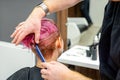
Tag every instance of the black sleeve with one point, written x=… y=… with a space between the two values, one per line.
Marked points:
x=22 y=74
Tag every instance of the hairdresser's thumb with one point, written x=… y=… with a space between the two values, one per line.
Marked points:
x=37 y=37
x=46 y=65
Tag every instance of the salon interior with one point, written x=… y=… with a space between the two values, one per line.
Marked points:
x=80 y=31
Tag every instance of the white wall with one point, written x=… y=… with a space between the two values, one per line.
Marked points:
x=13 y=58
x=97 y=11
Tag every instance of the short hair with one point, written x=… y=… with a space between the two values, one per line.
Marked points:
x=49 y=33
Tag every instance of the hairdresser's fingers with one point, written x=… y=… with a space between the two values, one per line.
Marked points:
x=15 y=32
x=37 y=36
x=44 y=76
x=44 y=72
x=20 y=24
x=21 y=37
x=46 y=65
x=55 y=63
x=17 y=29
x=16 y=36
x=36 y=30
x=50 y=64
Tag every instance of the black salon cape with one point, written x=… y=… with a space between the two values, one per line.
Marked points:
x=27 y=74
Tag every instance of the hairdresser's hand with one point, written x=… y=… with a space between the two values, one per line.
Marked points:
x=55 y=71
x=31 y=25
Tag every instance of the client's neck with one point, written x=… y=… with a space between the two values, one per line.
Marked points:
x=38 y=64
x=48 y=58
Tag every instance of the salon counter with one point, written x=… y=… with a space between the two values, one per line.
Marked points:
x=77 y=56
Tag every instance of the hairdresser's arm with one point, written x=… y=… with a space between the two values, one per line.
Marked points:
x=57 y=5
x=33 y=23
x=115 y=0
x=58 y=71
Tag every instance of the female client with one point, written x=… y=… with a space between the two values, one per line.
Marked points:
x=51 y=46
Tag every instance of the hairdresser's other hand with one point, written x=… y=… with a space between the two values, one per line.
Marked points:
x=31 y=25
x=55 y=71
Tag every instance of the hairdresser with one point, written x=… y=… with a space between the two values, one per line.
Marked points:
x=109 y=47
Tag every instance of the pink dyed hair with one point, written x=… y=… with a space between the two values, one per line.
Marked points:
x=48 y=34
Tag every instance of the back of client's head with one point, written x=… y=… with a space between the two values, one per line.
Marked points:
x=51 y=44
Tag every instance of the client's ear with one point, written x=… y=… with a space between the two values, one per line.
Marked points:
x=59 y=43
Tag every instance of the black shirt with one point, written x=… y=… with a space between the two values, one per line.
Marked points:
x=109 y=46
x=27 y=74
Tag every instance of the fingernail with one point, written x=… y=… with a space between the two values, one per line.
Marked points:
x=37 y=42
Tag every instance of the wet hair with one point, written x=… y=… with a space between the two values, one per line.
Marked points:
x=48 y=35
